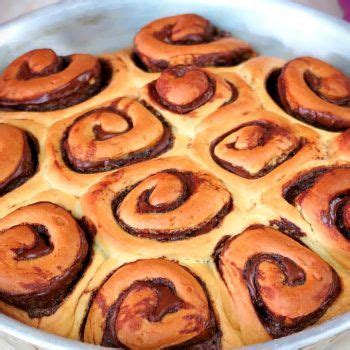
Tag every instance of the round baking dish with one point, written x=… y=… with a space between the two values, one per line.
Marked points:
x=277 y=28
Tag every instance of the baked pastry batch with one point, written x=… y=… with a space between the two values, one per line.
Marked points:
x=183 y=194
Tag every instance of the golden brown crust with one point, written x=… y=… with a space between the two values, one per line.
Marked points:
x=160 y=204
x=254 y=146
x=37 y=268
x=218 y=90
x=305 y=88
x=321 y=195
x=166 y=301
x=19 y=158
x=41 y=80
x=82 y=148
x=278 y=285
x=316 y=92
x=111 y=89
x=27 y=180
x=187 y=39
x=234 y=151
x=35 y=206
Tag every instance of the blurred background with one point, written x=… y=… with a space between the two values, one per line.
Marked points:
x=12 y=8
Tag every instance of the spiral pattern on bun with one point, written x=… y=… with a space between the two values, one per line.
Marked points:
x=315 y=92
x=37 y=270
x=187 y=39
x=39 y=80
x=120 y=133
x=253 y=144
x=17 y=157
x=152 y=304
x=161 y=200
x=161 y=206
x=278 y=285
x=322 y=196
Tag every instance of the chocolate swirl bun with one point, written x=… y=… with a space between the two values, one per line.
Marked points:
x=120 y=133
x=187 y=39
x=162 y=200
x=37 y=270
x=278 y=285
x=254 y=144
x=187 y=95
x=18 y=160
x=40 y=80
x=315 y=92
x=170 y=195
x=152 y=304
x=181 y=89
x=322 y=196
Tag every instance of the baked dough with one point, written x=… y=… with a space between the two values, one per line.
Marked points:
x=162 y=196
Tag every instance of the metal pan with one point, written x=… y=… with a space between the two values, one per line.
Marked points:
x=276 y=28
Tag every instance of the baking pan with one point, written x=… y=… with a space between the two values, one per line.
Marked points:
x=277 y=28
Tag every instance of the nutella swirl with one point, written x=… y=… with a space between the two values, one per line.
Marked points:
x=37 y=271
x=315 y=92
x=165 y=300
x=161 y=206
x=121 y=133
x=323 y=197
x=39 y=80
x=288 y=286
x=18 y=158
x=187 y=39
x=254 y=149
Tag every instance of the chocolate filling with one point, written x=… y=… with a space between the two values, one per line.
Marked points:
x=275 y=87
x=102 y=135
x=59 y=64
x=73 y=93
x=337 y=215
x=277 y=326
x=88 y=167
x=314 y=83
x=293 y=189
x=270 y=130
x=188 y=186
x=319 y=119
x=41 y=246
x=168 y=302
x=338 y=212
x=210 y=34
x=272 y=87
x=26 y=169
x=285 y=226
x=220 y=246
x=280 y=326
x=234 y=93
x=47 y=298
x=138 y=62
x=189 y=183
x=223 y=59
x=185 y=108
